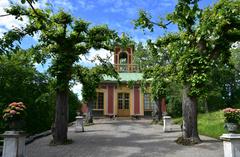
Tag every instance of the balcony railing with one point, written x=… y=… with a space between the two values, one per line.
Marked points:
x=126 y=67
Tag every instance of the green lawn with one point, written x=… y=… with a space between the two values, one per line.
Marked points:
x=209 y=124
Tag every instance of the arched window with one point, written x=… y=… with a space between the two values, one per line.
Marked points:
x=123 y=60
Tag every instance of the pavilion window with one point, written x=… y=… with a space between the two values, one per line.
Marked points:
x=123 y=60
x=148 y=105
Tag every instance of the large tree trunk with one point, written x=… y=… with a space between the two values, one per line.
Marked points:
x=60 y=128
x=189 y=108
x=160 y=113
x=157 y=110
x=89 y=116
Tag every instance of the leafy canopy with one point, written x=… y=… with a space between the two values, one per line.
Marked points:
x=203 y=40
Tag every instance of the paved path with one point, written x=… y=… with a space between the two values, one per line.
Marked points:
x=124 y=138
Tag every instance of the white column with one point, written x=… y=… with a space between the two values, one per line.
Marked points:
x=79 y=124
x=167 y=123
x=14 y=144
x=231 y=145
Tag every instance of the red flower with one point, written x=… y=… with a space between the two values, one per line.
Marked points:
x=13 y=112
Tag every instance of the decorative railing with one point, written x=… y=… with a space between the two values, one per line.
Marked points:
x=126 y=67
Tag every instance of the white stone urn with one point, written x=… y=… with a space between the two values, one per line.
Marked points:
x=231 y=127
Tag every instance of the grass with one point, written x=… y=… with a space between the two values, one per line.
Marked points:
x=209 y=124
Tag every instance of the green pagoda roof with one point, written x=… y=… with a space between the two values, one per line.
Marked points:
x=124 y=77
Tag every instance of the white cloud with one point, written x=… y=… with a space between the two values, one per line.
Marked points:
x=85 y=61
x=86 y=4
x=78 y=90
x=91 y=56
x=8 y=22
x=66 y=4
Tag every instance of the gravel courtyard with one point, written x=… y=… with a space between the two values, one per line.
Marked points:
x=124 y=138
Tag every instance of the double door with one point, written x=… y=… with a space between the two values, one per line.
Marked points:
x=123 y=105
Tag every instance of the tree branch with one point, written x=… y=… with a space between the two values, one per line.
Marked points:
x=161 y=25
x=32 y=7
x=5 y=15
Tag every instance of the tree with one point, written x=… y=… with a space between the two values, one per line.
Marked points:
x=203 y=42
x=64 y=40
x=90 y=79
x=154 y=63
x=19 y=79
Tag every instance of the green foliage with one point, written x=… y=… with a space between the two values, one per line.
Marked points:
x=174 y=99
x=64 y=40
x=74 y=105
x=235 y=55
x=43 y=105
x=203 y=41
x=143 y=21
x=62 y=37
x=209 y=124
x=174 y=106
x=124 y=41
x=131 y=84
x=21 y=82
x=156 y=67
x=90 y=78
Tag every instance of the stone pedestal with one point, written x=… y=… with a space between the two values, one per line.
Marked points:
x=231 y=145
x=79 y=124
x=14 y=144
x=167 y=124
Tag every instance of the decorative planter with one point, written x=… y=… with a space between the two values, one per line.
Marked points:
x=16 y=125
x=231 y=127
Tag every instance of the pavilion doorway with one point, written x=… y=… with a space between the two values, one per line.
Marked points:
x=123 y=105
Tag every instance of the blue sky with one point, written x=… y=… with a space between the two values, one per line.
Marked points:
x=117 y=14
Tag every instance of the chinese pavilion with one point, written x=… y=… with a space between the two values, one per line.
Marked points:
x=122 y=99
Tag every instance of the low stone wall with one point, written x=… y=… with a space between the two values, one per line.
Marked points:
x=30 y=139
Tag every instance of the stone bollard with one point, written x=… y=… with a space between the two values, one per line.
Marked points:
x=14 y=144
x=79 y=124
x=166 y=124
x=231 y=145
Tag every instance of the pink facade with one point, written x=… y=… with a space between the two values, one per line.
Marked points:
x=136 y=101
x=110 y=99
